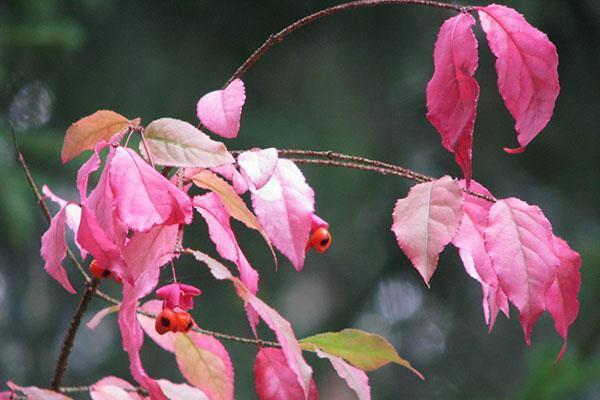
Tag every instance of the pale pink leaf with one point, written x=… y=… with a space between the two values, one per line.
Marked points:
x=86 y=133
x=113 y=388
x=179 y=144
x=154 y=307
x=214 y=213
x=274 y=380
x=143 y=197
x=561 y=298
x=356 y=379
x=284 y=207
x=221 y=110
x=426 y=221
x=285 y=336
x=527 y=68
x=54 y=250
x=519 y=242
x=35 y=393
x=469 y=240
x=257 y=166
x=452 y=92
x=180 y=391
x=218 y=270
x=99 y=316
x=205 y=364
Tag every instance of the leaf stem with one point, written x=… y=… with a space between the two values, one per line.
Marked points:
x=278 y=37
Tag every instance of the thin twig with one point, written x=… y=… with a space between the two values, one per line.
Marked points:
x=67 y=345
x=278 y=37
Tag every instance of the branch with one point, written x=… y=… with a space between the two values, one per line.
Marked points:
x=67 y=345
x=282 y=34
x=333 y=159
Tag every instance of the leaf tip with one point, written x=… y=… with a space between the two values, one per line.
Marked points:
x=517 y=150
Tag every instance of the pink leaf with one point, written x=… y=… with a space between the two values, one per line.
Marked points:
x=35 y=393
x=426 y=221
x=133 y=339
x=470 y=242
x=452 y=92
x=99 y=316
x=274 y=380
x=154 y=307
x=219 y=228
x=205 y=364
x=54 y=249
x=527 y=68
x=101 y=202
x=356 y=379
x=257 y=166
x=145 y=252
x=281 y=327
x=113 y=388
x=143 y=197
x=285 y=336
x=221 y=110
x=561 y=298
x=96 y=241
x=83 y=175
x=178 y=295
x=519 y=242
x=284 y=208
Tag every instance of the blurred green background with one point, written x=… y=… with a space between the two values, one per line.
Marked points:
x=353 y=83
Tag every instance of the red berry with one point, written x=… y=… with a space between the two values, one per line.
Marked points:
x=97 y=271
x=184 y=321
x=166 y=321
x=320 y=240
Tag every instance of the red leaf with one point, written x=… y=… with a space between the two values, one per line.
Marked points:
x=425 y=222
x=527 y=67
x=452 y=92
x=519 y=241
x=561 y=298
x=274 y=380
